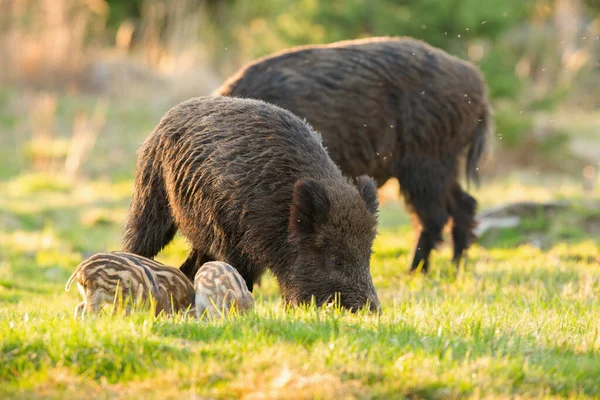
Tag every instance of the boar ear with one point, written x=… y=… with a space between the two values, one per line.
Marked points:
x=309 y=210
x=368 y=191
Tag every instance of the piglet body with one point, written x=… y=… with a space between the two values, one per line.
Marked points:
x=104 y=276
x=220 y=289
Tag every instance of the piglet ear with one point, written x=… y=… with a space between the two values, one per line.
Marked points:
x=309 y=209
x=368 y=191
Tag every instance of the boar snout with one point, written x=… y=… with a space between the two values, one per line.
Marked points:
x=375 y=308
x=355 y=303
x=373 y=304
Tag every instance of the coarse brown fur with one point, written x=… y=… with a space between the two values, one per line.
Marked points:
x=220 y=290
x=250 y=184
x=388 y=107
x=105 y=276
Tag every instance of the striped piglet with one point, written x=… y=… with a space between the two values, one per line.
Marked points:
x=136 y=278
x=219 y=290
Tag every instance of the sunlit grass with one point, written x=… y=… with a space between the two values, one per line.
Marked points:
x=520 y=321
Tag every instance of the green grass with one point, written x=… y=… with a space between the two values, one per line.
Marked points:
x=521 y=321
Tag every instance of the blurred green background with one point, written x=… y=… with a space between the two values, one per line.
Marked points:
x=102 y=66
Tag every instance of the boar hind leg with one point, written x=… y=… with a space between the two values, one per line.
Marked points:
x=193 y=263
x=424 y=185
x=432 y=221
x=462 y=208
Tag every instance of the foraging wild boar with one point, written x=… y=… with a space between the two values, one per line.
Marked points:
x=136 y=278
x=251 y=184
x=220 y=289
x=388 y=107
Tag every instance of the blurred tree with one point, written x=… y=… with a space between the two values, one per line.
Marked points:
x=259 y=27
x=121 y=11
x=593 y=6
x=506 y=38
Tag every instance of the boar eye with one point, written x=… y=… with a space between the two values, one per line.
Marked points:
x=336 y=262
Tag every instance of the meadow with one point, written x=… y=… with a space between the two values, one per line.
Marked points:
x=522 y=320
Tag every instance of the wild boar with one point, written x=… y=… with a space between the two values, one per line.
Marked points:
x=388 y=107
x=250 y=184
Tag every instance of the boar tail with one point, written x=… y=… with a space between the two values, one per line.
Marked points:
x=71 y=279
x=478 y=147
x=150 y=225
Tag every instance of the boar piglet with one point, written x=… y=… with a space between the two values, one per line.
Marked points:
x=105 y=277
x=220 y=290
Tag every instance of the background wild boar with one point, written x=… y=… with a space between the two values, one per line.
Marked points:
x=250 y=184
x=388 y=107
